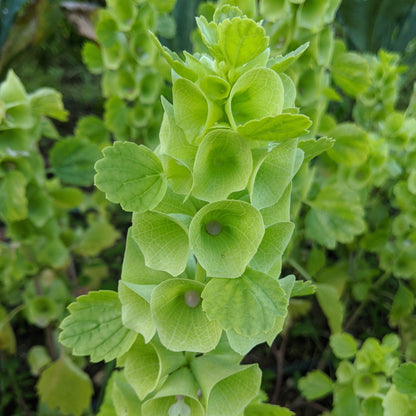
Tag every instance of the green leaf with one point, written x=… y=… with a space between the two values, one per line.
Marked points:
x=351 y=72
x=52 y=252
x=7 y=338
x=180 y=321
x=12 y=91
x=257 y=94
x=315 y=385
x=372 y=406
x=116 y=116
x=39 y=205
x=93 y=129
x=248 y=305
x=66 y=387
x=313 y=148
x=94 y=327
x=280 y=211
x=343 y=345
x=346 y=402
x=278 y=164
x=328 y=298
x=13 y=200
x=99 y=236
x=91 y=56
x=404 y=378
x=275 y=129
x=282 y=63
x=336 y=215
x=223 y=165
x=311 y=14
x=132 y=176
x=225 y=236
x=106 y=30
x=73 y=161
x=217 y=378
x=303 y=288
x=351 y=146
x=263 y=409
x=38 y=358
x=148 y=365
x=163 y=240
x=241 y=40
x=48 y=102
x=365 y=385
x=67 y=197
x=403 y=304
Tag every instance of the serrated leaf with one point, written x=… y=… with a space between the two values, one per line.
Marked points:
x=336 y=215
x=351 y=146
x=313 y=148
x=303 y=288
x=404 y=378
x=275 y=129
x=94 y=327
x=241 y=40
x=343 y=345
x=183 y=327
x=163 y=240
x=315 y=385
x=223 y=165
x=248 y=305
x=73 y=161
x=65 y=386
x=132 y=176
x=225 y=236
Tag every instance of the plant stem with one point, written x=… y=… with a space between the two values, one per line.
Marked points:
x=299 y=269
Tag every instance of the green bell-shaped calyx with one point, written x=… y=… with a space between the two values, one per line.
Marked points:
x=225 y=236
x=248 y=305
x=181 y=323
x=223 y=165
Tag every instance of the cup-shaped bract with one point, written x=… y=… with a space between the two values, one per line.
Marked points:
x=146 y=366
x=179 y=392
x=163 y=240
x=150 y=84
x=258 y=93
x=218 y=378
x=124 y=12
x=223 y=164
x=225 y=236
x=181 y=323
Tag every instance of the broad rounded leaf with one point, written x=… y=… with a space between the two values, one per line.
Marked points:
x=315 y=385
x=64 y=386
x=343 y=345
x=248 y=305
x=181 y=323
x=241 y=40
x=163 y=240
x=225 y=236
x=223 y=165
x=404 y=378
x=73 y=161
x=94 y=327
x=257 y=94
x=132 y=176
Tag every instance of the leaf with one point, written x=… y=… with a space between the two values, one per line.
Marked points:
x=91 y=56
x=181 y=324
x=351 y=72
x=65 y=387
x=116 y=113
x=328 y=298
x=93 y=129
x=223 y=165
x=7 y=338
x=263 y=409
x=132 y=176
x=403 y=304
x=303 y=288
x=282 y=63
x=351 y=146
x=99 y=236
x=12 y=91
x=48 y=102
x=225 y=236
x=404 y=378
x=310 y=14
x=336 y=215
x=257 y=94
x=73 y=161
x=94 y=327
x=13 y=200
x=241 y=40
x=275 y=129
x=163 y=240
x=313 y=148
x=343 y=345
x=248 y=305
x=346 y=402
x=315 y=385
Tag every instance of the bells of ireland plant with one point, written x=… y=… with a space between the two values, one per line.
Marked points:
x=200 y=283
